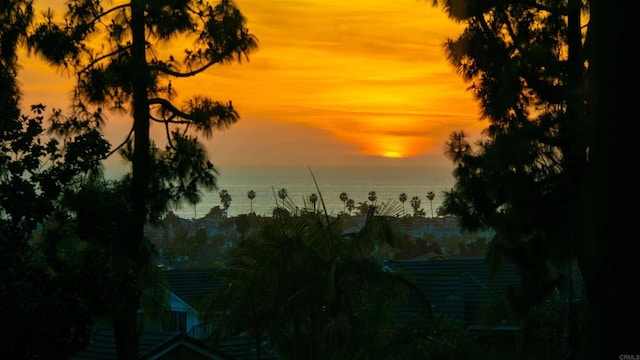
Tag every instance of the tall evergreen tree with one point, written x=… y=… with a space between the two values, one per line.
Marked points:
x=525 y=178
x=549 y=141
x=114 y=52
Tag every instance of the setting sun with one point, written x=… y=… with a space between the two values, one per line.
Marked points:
x=392 y=154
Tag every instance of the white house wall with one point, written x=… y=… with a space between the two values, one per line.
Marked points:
x=177 y=304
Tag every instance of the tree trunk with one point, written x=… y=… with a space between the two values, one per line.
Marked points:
x=609 y=267
x=576 y=163
x=125 y=317
x=125 y=327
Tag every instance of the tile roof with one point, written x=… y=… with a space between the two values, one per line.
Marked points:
x=461 y=288
x=191 y=285
x=103 y=346
x=152 y=344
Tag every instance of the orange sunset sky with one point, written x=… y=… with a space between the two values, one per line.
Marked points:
x=333 y=82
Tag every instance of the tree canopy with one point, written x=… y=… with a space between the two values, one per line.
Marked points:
x=114 y=51
x=535 y=68
x=525 y=177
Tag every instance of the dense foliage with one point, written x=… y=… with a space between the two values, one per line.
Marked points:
x=538 y=70
x=524 y=178
x=312 y=291
x=114 y=53
x=44 y=263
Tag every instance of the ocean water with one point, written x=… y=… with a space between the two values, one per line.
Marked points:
x=388 y=182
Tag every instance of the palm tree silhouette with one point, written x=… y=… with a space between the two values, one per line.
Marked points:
x=431 y=196
x=351 y=204
x=344 y=197
x=251 y=195
x=313 y=198
x=225 y=199
x=403 y=198
x=282 y=194
x=415 y=204
x=372 y=197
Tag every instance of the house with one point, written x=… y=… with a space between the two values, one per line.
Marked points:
x=152 y=346
x=188 y=288
x=463 y=289
x=185 y=338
